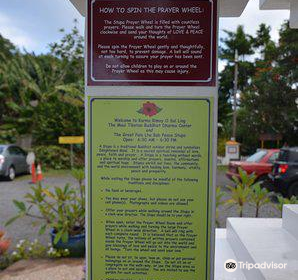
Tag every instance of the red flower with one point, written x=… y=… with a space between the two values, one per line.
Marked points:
x=4 y=245
x=276 y=77
x=149 y=109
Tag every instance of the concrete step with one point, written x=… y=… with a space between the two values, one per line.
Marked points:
x=290 y=219
x=224 y=252
x=257 y=241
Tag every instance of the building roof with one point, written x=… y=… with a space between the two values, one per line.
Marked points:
x=232 y=143
x=228 y=8
x=233 y=8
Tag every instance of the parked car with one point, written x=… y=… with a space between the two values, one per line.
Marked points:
x=285 y=172
x=12 y=161
x=260 y=163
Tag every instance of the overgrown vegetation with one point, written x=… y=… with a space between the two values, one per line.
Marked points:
x=42 y=95
x=268 y=79
x=47 y=155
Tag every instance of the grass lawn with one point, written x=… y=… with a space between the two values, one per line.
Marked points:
x=67 y=172
x=48 y=173
x=223 y=168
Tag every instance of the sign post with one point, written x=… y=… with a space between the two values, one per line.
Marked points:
x=151 y=114
x=71 y=140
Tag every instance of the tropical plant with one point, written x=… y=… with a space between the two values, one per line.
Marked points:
x=60 y=209
x=239 y=196
x=242 y=191
x=283 y=200
x=79 y=175
x=245 y=180
x=259 y=197
x=32 y=88
x=47 y=156
x=242 y=43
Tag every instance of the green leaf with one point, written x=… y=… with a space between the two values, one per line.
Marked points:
x=42 y=229
x=58 y=237
x=12 y=220
x=20 y=205
x=65 y=237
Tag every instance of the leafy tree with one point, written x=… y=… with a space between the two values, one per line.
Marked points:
x=262 y=43
x=65 y=106
x=288 y=54
x=270 y=90
x=239 y=41
x=70 y=51
x=26 y=80
x=7 y=49
x=34 y=88
x=243 y=43
x=268 y=104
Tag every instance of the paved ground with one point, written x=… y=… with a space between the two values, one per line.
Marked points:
x=222 y=179
x=268 y=211
x=63 y=269
x=23 y=229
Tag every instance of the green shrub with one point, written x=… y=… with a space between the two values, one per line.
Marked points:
x=52 y=157
x=60 y=209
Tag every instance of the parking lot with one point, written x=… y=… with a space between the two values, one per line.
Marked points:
x=23 y=228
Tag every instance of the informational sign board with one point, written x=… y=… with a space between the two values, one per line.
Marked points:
x=71 y=140
x=156 y=42
x=150 y=188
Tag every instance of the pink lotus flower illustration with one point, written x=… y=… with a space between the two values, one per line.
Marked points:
x=149 y=109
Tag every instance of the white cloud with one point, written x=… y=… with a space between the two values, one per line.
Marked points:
x=15 y=34
x=252 y=17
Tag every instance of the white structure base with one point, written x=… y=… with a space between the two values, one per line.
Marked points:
x=223 y=252
x=257 y=241
x=289 y=220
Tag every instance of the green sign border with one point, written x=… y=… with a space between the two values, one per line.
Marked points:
x=210 y=199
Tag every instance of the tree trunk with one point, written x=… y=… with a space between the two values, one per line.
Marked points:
x=257 y=211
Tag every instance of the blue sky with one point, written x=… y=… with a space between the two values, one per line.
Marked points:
x=33 y=24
